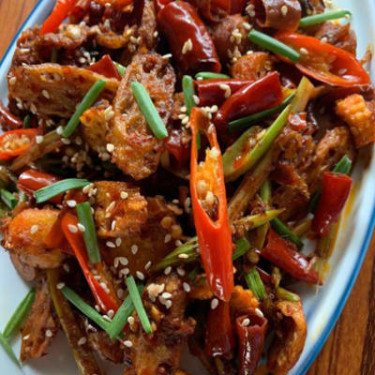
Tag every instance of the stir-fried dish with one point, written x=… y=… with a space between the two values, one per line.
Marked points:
x=164 y=163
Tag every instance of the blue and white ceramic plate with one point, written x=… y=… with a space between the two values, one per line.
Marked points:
x=322 y=307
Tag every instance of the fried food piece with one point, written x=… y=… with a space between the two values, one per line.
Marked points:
x=121 y=203
x=54 y=90
x=41 y=326
x=253 y=66
x=25 y=236
x=361 y=120
x=289 y=339
x=136 y=150
x=242 y=301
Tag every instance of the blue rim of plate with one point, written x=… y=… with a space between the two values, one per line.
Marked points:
x=317 y=347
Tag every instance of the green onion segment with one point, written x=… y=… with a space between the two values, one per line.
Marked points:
x=188 y=90
x=138 y=304
x=48 y=192
x=273 y=45
x=243 y=246
x=8 y=198
x=27 y=122
x=149 y=111
x=85 y=104
x=285 y=232
x=255 y=284
x=8 y=349
x=19 y=315
x=323 y=17
x=210 y=75
x=120 y=68
x=85 y=218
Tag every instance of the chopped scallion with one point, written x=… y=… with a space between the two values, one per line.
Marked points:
x=8 y=349
x=27 y=122
x=19 y=315
x=255 y=284
x=120 y=68
x=138 y=304
x=85 y=104
x=243 y=246
x=188 y=90
x=85 y=309
x=121 y=318
x=285 y=232
x=48 y=192
x=323 y=17
x=210 y=75
x=149 y=111
x=245 y=122
x=8 y=198
x=91 y=241
x=287 y=295
x=273 y=45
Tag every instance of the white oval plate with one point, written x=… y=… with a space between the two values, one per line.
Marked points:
x=322 y=308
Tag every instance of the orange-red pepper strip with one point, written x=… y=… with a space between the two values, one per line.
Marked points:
x=342 y=68
x=6 y=154
x=57 y=17
x=76 y=241
x=214 y=237
x=12 y=121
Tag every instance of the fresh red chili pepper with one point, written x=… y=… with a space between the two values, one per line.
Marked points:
x=250 y=341
x=160 y=4
x=283 y=254
x=237 y=6
x=324 y=62
x=335 y=192
x=176 y=147
x=12 y=121
x=32 y=180
x=255 y=97
x=58 y=15
x=16 y=142
x=74 y=237
x=192 y=45
x=212 y=10
x=219 y=332
x=105 y=67
x=214 y=234
x=215 y=91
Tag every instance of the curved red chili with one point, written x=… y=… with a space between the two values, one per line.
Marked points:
x=191 y=45
x=214 y=233
x=335 y=192
x=219 y=332
x=282 y=254
x=251 y=331
x=323 y=61
x=12 y=121
x=176 y=147
x=255 y=97
x=216 y=91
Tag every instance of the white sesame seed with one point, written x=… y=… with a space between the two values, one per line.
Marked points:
x=81 y=227
x=109 y=113
x=66 y=268
x=214 y=303
x=49 y=333
x=34 y=229
x=168 y=270
x=148 y=265
x=167 y=238
x=118 y=241
x=82 y=341
x=128 y=343
x=259 y=312
x=71 y=203
x=196 y=99
x=124 y=195
x=183 y=256
x=181 y=271
x=168 y=304
x=39 y=139
x=110 y=147
x=186 y=287
x=59 y=130
x=131 y=320
x=72 y=228
x=123 y=261
x=166 y=295
x=304 y=51
x=110 y=244
x=26 y=337
x=245 y=322
x=188 y=46
x=120 y=293
x=45 y=94
x=12 y=81
x=134 y=249
x=60 y=286
x=284 y=10
x=111 y=313
x=167 y=56
x=140 y=275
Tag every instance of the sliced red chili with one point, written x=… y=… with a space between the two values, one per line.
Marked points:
x=335 y=192
x=188 y=37
x=105 y=67
x=251 y=331
x=176 y=147
x=11 y=121
x=255 y=97
x=16 y=142
x=32 y=180
x=219 y=332
x=210 y=209
x=283 y=254
x=216 y=91
x=324 y=62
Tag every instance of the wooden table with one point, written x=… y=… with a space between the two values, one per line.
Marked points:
x=350 y=349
